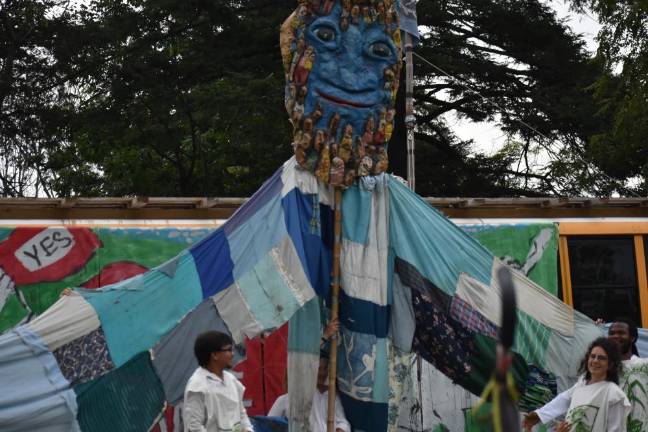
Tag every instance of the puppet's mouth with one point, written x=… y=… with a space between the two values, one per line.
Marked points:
x=341 y=101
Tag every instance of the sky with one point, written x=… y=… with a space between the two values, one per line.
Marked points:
x=487 y=136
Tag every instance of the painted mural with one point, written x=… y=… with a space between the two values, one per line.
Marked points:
x=38 y=263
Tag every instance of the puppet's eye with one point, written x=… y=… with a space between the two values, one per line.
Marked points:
x=380 y=49
x=325 y=34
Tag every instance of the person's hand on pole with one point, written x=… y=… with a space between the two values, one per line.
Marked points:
x=331 y=329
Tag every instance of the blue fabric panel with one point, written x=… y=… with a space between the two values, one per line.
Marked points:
x=173 y=357
x=362 y=316
x=270 y=190
x=34 y=395
x=391 y=258
x=362 y=366
x=327 y=223
x=304 y=329
x=213 y=263
x=301 y=221
x=267 y=294
x=130 y=323
x=254 y=238
x=269 y=424
x=402 y=322
x=327 y=219
x=436 y=247
x=303 y=215
x=408 y=20
x=356 y=214
x=365 y=416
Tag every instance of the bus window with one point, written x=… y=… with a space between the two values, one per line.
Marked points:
x=604 y=276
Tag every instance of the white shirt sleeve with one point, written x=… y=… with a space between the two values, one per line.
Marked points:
x=617 y=417
x=340 y=418
x=193 y=412
x=557 y=407
x=279 y=407
x=245 y=421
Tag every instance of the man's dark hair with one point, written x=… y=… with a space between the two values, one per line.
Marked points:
x=632 y=329
x=611 y=348
x=209 y=342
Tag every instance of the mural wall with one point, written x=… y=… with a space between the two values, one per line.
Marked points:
x=38 y=263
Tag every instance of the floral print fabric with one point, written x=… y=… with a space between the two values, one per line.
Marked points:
x=85 y=358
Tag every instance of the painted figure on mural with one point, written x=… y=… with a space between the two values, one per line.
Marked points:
x=342 y=63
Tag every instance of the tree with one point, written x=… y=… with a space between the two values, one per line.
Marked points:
x=32 y=91
x=512 y=62
x=154 y=97
x=187 y=101
x=622 y=89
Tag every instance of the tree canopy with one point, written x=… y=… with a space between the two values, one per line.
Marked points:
x=158 y=97
x=621 y=91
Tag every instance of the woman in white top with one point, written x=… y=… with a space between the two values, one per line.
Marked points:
x=595 y=403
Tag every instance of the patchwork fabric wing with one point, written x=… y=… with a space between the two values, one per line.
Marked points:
x=113 y=357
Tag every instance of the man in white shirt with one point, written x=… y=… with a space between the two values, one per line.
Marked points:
x=319 y=411
x=213 y=398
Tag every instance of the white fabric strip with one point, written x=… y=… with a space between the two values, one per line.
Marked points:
x=364 y=267
x=302 y=382
x=531 y=299
x=293 y=177
x=291 y=270
x=235 y=311
x=70 y=318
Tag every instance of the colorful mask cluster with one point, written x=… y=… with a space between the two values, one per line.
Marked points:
x=342 y=64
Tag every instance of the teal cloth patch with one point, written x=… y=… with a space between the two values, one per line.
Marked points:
x=269 y=298
x=129 y=320
x=256 y=236
x=356 y=211
x=127 y=399
x=438 y=249
x=304 y=329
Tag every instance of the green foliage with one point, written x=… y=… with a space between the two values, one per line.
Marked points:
x=621 y=90
x=156 y=97
x=530 y=69
x=190 y=101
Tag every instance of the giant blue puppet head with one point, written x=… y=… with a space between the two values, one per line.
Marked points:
x=342 y=62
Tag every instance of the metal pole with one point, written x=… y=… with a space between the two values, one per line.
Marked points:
x=337 y=231
x=410 y=119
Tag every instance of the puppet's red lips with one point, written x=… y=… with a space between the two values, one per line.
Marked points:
x=340 y=101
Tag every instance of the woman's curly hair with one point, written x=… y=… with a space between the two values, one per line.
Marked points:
x=614 y=359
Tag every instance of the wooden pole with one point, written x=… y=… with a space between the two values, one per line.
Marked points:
x=337 y=232
x=410 y=119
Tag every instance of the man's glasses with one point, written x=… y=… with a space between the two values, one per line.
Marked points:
x=226 y=349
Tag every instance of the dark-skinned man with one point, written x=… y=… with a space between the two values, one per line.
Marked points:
x=634 y=375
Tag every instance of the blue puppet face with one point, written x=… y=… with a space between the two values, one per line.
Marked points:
x=341 y=83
